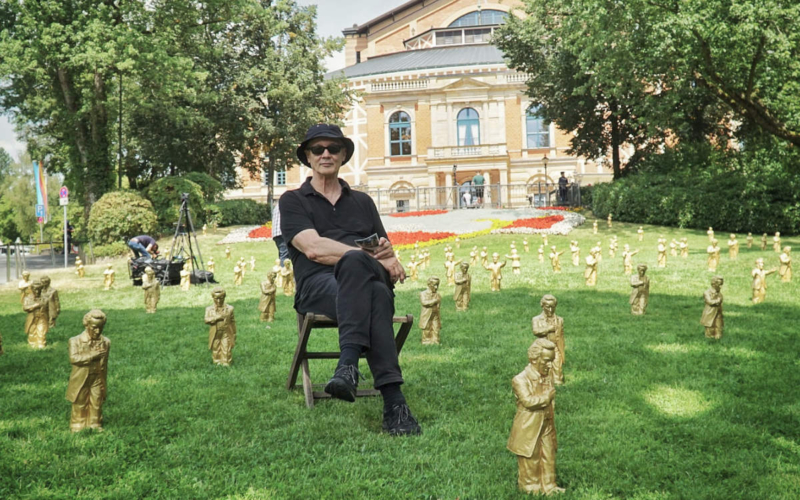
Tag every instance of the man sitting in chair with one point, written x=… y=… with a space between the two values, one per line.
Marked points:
x=320 y=223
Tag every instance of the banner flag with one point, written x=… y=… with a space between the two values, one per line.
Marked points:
x=40 y=180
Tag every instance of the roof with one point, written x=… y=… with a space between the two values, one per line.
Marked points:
x=386 y=15
x=440 y=57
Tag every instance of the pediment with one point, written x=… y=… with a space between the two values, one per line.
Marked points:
x=467 y=83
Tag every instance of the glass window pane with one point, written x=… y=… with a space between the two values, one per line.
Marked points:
x=394 y=134
x=395 y=149
x=406 y=148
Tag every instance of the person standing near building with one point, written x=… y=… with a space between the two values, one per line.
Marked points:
x=563 y=182
x=277 y=235
x=478 y=181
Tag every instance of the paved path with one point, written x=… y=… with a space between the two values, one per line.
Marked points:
x=33 y=263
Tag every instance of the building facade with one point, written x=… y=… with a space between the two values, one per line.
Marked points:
x=436 y=105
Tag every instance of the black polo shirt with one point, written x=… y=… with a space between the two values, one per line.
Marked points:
x=353 y=217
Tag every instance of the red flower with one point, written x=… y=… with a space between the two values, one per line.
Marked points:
x=553 y=208
x=418 y=214
x=410 y=237
x=537 y=223
x=260 y=232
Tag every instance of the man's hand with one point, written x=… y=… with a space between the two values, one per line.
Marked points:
x=396 y=271
x=551 y=394
x=384 y=249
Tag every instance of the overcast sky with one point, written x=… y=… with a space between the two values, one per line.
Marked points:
x=332 y=17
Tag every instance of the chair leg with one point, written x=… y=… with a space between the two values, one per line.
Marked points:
x=304 y=330
x=308 y=389
x=402 y=333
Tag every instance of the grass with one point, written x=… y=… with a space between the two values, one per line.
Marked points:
x=651 y=409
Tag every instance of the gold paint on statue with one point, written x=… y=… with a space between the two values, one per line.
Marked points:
x=533 y=432
x=186 y=276
x=627 y=259
x=79 y=269
x=288 y=278
x=733 y=247
x=152 y=290
x=53 y=302
x=87 y=389
x=541 y=254
x=610 y=223
x=427 y=258
x=473 y=256
x=24 y=286
x=430 y=318
x=640 y=232
x=598 y=250
x=555 y=259
x=267 y=302
x=576 y=253
x=108 y=277
x=228 y=252
x=590 y=273
x=760 y=281
x=712 y=312
x=484 y=257
x=710 y=233
x=458 y=242
x=525 y=245
x=252 y=263
x=713 y=251
x=243 y=266
x=749 y=240
x=764 y=241
x=673 y=248
x=37 y=323
x=463 y=290
x=662 y=252
x=776 y=242
x=496 y=268
x=204 y=229
x=211 y=266
x=237 y=274
x=544 y=239
x=612 y=247
x=515 y=264
x=450 y=266
x=277 y=269
x=550 y=326
x=785 y=271
x=640 y=291
x=222 y=331
x=684 y=246
x=594 y=227
x=413 y=271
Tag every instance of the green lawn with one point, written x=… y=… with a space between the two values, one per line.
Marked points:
x=650 y=410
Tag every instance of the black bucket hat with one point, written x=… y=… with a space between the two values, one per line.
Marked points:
x=328 y=132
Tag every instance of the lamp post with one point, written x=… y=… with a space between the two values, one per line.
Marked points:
x=546 y=190
x=455 y=188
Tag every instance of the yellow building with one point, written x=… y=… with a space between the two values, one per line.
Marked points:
x=437 y=102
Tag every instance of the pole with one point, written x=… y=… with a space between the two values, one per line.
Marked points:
x=66 y=251
x=52 y=252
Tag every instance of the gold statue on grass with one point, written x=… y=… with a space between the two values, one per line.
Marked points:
x=612 y=247
x=760 y=281
x=627 y=259
x=515 y=264
x=413 y=269
x=749 y=240
x=541 y=254
x=288 y=278
x=252 y=263
x=79 y=269
x=713 y=251
x=186 y=276
x=222 y=331
x=50 y=294
x=496 y=268
x=525 y=245
x=640 y=291
x=684 y=246
x=764 y=241
x=550 y=326
x=37 y=323
x=673 y=248
x=590 y=273
x=610 y=222
x=712 y=312
x=484 y=257
x=733 y=247
x=24 y=286
x=458 y=242
x=463 y=289
x=243 y=266
x=640 y=232
x=555 y=259
x=450 y=266
x=662 y=252
x=544 y=239
x=211 y=266
x=228 y=252
x=776 y=242
x=205 y=229
x=533 y=433
x=277 y=268
x=430 y=318
x=267 y=302
x=152 y=290
x=576 y=253
x=785 y=271
x=238 y=273
x=594 y=227
x=88 y=354
x=473 y=256
x=710 y=233
x=108 y=277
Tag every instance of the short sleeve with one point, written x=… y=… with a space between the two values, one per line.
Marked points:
x=377 y=223
x=294 y=217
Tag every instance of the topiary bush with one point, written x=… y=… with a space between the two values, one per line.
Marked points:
x=120 y=215
x=165 y=194
x=238 y=212
x=212 y=188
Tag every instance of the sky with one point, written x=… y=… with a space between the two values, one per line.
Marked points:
x=332 y=17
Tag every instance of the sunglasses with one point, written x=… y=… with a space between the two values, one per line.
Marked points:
x=332 y=149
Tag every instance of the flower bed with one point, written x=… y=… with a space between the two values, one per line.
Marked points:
x=418 y=214
x=406 y=239
x=264 y=231
x=553 y=208
x=537 y=222
x=551 y=224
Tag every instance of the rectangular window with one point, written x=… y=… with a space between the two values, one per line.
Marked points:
x=400 y=139
x=477 y=35
x=448 y=37
x=280 y=178
x=538 y=132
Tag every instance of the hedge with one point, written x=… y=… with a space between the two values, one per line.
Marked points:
x=238 y=212
x=165 y=194
x=212 y=188
x=118 y=216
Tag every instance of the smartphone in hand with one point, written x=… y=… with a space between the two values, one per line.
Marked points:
x=369 y=243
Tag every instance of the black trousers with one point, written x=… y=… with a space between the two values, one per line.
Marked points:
x=358 y=294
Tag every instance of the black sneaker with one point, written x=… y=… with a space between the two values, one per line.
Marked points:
x=344 y=383
x=398 y=421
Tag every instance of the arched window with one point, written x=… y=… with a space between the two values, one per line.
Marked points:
x=480 y=18
x=469 y=127
x=538 y=132
x=400 y=134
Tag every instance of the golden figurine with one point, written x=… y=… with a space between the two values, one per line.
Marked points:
x=684 y=246
x=152 y=290
x=79 y=269
x=53 y=302
x=222 y=331
x=267 y=302
x=785 y=271
x=448 y=252
x=610 y=224
x=186 y=276
x=484 y=257
x=24 y=286
x=423 y=260
x=513 y=245
x=37 y=323
x=627 y=259
x=525 y=245
x=496 y=269
x=612 y=247
x=544 y=239
x=640 y=232
x=541 y=253
x=205 y=228
x=458 y=242
x=662 y=252
x=640 y=291
x=108 y=277
x=450 y=266
x=598 y=249
x=764 y=241
x=413 y=272
x=463 y=291
x=427 y=257
x=550 y=326
x=243 y=266
x=733 y=247
x=252 y=263
x=594 y=227
x=416 y=248
x=228 y=252
x=673 y=248
x=710 y=233
x=87 y=389
x=237 y=274
x=515 y=264
x=713 y=251
x=211 y=266
x=576 y=253
x=288 y=278
x=712 y=312
x=473 y=256
x=776 y=242
x=430 y=318
x=555 y=259
x=590 y=273
x=760 y=281
x=533 y=433
x=749 y=240
x=277 y=269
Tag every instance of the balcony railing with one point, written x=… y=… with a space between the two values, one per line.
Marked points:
x=467 y=151
x=399 y=85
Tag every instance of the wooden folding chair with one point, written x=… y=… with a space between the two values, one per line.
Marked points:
x=305 y=324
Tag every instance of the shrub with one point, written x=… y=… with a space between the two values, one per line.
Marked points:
x=165 y=194
x=120 y=215
x=212 y=188
x=238 y=212
x=586 y=196
x=111 y=250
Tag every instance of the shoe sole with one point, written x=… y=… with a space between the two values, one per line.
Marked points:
x=338 y=389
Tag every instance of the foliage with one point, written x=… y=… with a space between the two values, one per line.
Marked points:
x=18 y=202
x=119 y=216
x=114 y=249
x=212 y=188
x=238 y=212
x=586 y=196
x=165 y=195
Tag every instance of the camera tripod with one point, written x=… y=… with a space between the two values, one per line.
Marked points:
x=184 y=231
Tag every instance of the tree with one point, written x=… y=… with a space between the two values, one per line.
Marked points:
x=18 y=201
